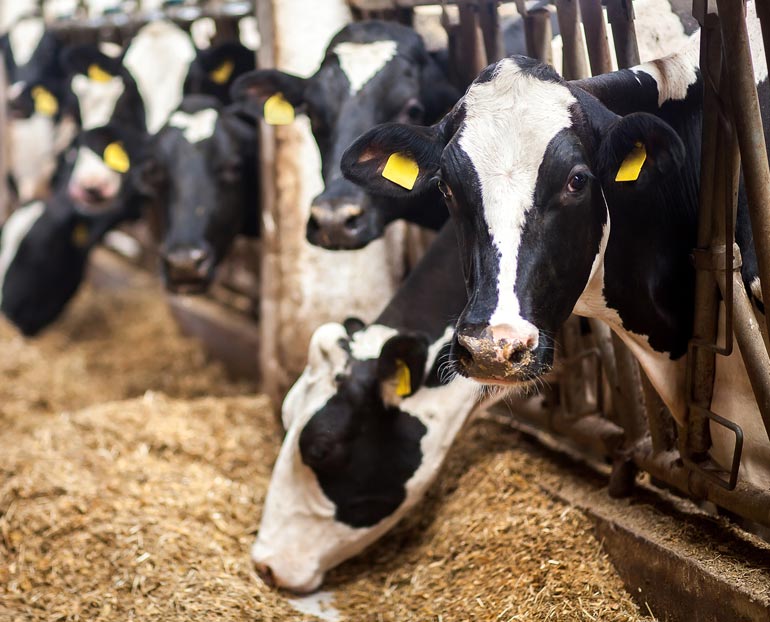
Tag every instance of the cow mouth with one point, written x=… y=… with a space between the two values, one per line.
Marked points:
x=499 y=370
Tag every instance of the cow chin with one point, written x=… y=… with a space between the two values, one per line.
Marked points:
x=298 y=576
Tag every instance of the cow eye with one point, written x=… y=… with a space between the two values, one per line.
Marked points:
x=577 y=182
x=443 y=188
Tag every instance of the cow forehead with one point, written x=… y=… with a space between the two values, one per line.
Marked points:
x=24 y=38
x=96 y=100
x=196 y=126
x=367 y=343
x=360 y=62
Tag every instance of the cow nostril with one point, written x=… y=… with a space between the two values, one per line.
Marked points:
x=352 y=222
x=266 y=574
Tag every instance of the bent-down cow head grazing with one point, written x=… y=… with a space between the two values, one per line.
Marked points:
x=578 y=196
x=373 y=72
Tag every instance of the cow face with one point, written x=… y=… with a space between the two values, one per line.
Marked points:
x=200 y=167
x=215 y=69
x=373 y=72
x=367 y=429
x=97 y=169
x=30 y=52
x=522 y=162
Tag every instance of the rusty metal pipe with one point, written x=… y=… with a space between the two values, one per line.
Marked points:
x=490 y=28
x=574 y=65
x=537 y=30
x=751 y=138
x=596 y=36
x=620 y=15
x=474 y=56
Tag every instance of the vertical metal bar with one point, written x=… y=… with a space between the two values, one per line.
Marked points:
x=574 y=65
x=537 y=29
x=751 y=138
x=471 y=41
x=5 y=207
x=490 y=27
x=620 y=15
x=701 y=357
x=763 y=12
x=596 y=36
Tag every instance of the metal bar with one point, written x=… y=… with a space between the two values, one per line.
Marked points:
x=596 y=36
x=5 y=195
x=620 y=15
x=574 y=65
x=473 y=54
x=538 y=33
x=763 y=12
x=750 y=134
x=662 y=426
x=490 y=27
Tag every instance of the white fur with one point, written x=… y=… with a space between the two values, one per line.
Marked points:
x=509 y=122
x=13 y=233
x=96 y=100
x=676 y=73
x=202 y=31
x=299 y=537
x=90 y=171
x=159 y=58
x=24 y=38
x=12 y=11
x=108 y=48
x=360 y=62
x=248 y=32
x=197 y=126
x=32 y=155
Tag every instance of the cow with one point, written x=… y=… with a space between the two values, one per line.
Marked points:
x=372 y=72
x=215 y=69
x=202 y=167
x=44 y=245
x=369 y=423
x=579 y=197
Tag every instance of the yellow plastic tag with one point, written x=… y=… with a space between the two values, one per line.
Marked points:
x=116 y=158
x=45 y=101
x=222 y=74
x=97 y=74
x=401 y=170
x=632 y=165
x=278 y=111
x=403 y=379
x=80 y=235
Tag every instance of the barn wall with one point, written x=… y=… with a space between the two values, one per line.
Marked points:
x=305 y=286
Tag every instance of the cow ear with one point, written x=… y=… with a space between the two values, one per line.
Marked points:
x=401 y=366
x=394 y=160
x=640 y=149
x=353 y=325
x=90 y=61
x=277 y=89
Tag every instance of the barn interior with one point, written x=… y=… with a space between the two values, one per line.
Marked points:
x=140 y=428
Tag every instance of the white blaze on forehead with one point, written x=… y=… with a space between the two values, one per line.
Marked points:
x=159 y=58
x=108 y=48
x=13 y=233
x=674 y=74
x=96 y=100
x=24 y=38
x=248 y=32
x=360 y=62
x=197 y=126
x=509 y=122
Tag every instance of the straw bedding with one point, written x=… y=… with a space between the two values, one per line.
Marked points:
x=122 y=504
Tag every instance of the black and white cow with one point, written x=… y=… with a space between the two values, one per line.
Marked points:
x=368 y=423
x=215 y=69
x=528 y=165
x=44 y=245
x=372 y=72
x=202 y=168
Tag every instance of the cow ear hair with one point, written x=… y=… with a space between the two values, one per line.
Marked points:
x=664 y=152
x=251 y=90
x=401 y=365
x=365 y=161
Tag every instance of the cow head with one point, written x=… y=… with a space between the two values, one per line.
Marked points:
x=373 y=72
x=215 y=69
x=523 y=161
x=367 y=430
x=98 y=170
x=201 y=166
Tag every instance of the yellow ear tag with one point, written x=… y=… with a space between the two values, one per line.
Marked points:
x=278 y=111
x=632 y=165
x=80 y=235
x=222 y=74
x=401 y=170
x=45 y=102
x=403 y=379
x=116 y=158
x=97 y=74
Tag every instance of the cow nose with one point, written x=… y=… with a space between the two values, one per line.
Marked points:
x=335 y=225
x=494 y=352
x=187 y=266
x=94 y=193
x=266 y=574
